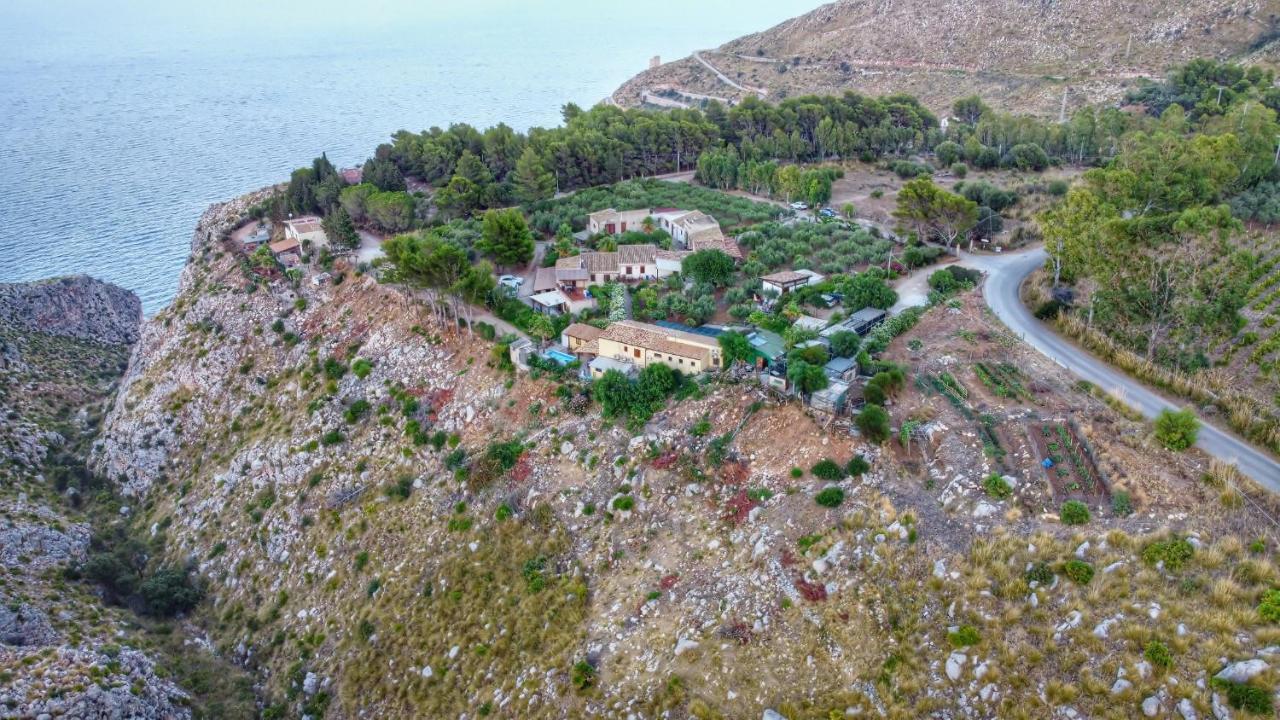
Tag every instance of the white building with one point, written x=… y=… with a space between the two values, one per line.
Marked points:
x=306 y=229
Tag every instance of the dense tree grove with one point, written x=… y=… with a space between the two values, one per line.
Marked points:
x=1148 y=237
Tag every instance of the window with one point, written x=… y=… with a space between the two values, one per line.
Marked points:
x=636 y=352
x=628 y=269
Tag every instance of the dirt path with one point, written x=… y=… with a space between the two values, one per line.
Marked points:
x=726 y=79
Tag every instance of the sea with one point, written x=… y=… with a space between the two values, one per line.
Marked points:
x=121 y=122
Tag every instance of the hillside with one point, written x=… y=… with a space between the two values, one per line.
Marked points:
x=63 y=652
x=388 y=523
x=1018 y=55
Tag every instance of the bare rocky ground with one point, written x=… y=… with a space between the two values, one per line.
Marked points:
x=680 y=570
x=63 y=344
x=1016 y=54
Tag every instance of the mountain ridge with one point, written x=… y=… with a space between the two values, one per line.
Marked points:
x=1024 y=55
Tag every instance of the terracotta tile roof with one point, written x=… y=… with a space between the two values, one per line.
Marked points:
x=786 y=277
x=607 y=212
x=570 y=274
x=636 y=254
x=583 y=331
x=591 y=347
x=545 y=279
x=281 y=246
x=660 y=339
x=600 y=262
x=676 y=255
x=573 y=261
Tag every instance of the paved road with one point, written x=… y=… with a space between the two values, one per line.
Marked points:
x=1005 y=274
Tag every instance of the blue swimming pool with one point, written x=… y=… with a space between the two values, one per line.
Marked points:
x=562 y=358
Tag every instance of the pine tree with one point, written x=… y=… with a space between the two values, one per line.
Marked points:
x=533 y=181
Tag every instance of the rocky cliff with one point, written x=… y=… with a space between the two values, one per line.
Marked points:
x=390 y=523
x=63 y=345
x=1026 y=56
x=76 y=307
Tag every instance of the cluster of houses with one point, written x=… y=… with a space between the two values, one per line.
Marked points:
x=629 y=346
x=563 y=288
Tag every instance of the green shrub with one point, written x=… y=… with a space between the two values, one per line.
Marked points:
x=355 y=411
x=964 y=636
x=1074 y=512
x=857 y=467
x=401 y=489
x=873 y=423
x=1243 y=696
x=827 y=470
x=797 y=473
x=333 y=437
x=504 y=512
x=830 y=497
x=997 y=487
x=361 y=368
x=333 y=369
x=1177 y=430
x=1040 y=573
x=168 y=592
x=1174 y=553
x=583 y=675
x=1158 y=654
x=624 y=503
x=1269 y=607
x=1121 y=504
x=1078 y=571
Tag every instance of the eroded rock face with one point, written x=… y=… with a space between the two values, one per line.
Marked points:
x=76 y=306
x=42 y=546
x=129 y=687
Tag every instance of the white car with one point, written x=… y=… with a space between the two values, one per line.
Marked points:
x=511 y=281
x=797 y=205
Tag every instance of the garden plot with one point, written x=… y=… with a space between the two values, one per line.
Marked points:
x=1074 y=474
x=1003 y=380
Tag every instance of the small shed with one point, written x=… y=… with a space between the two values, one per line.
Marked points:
x=863 y=321
x=549 y=303
x=841 y=369
x=519 y=351
x=808 y=322
x=768 y=345
x=782 y=282
x=602 y=365
x=830 y=399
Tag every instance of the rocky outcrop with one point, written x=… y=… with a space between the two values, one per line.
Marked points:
x=136 y=442
x=89 y=684
x=76 y=306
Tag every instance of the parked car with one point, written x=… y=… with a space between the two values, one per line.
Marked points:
x=510 y=281
x=827 y=212
x=797 y=205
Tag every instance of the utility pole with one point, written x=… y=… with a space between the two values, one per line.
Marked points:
x=1062 y=112
x=1128 y=47
x=1277 y=160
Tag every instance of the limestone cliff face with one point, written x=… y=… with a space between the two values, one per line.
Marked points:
x=63 y=345
x=76 y=306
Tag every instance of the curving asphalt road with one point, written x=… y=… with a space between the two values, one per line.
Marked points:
x=1005 y=274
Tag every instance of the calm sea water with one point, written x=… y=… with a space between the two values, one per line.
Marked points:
x=116 y=132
